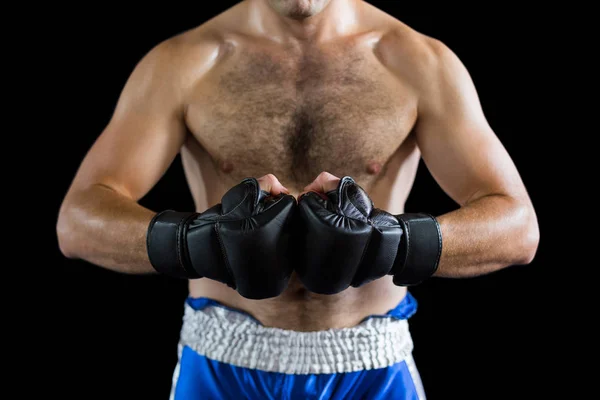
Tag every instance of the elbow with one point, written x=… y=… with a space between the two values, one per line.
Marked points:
x=65 y=234
x=529 y=236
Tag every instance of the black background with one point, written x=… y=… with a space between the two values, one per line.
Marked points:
x=115 y=336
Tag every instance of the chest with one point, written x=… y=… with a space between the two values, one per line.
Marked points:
x=264 y=112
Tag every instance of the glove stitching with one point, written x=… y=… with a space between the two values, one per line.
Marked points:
x=355 y=206
x=186 y=261
x=178 y=243
x=236 y=207
x=273 y=204
x=152 y=223
x=362 y=257
x=439 y=231
x=224 y=255
x=407 y=245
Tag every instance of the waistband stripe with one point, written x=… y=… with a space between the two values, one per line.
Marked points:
x=236 y=339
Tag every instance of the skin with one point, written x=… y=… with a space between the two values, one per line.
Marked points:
x=298 y=9
x=301 y=92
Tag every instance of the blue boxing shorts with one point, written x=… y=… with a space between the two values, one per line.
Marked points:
x=227 y=354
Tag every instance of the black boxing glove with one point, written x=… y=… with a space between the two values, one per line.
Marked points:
x=243 y=241
x=345 y=241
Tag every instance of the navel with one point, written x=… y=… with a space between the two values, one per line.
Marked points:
x=374 y=168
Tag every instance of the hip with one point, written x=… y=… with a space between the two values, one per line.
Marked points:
x=225 y=353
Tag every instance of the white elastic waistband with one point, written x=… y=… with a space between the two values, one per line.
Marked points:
x=236 y=339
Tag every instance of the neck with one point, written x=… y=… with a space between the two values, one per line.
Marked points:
x=336 y=19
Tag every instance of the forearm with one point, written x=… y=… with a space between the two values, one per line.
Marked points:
x=103 y=227
x=488 y=234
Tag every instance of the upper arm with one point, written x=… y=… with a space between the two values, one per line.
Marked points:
x=457 y=144
x=145 y=132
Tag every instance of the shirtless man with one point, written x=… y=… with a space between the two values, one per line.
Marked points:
x=297 y=93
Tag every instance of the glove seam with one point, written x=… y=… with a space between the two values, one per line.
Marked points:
x=275 y=202
x=180 y=233
x=235 y=208
x=224 y=255
x=185 y=251
x=422 y=219
x=407 y=236
x=355 y=206
x=151 y=227
x=362 y=256
x=439 y=231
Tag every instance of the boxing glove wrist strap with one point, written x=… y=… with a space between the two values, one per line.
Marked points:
x=166 y=242
x=420 y=249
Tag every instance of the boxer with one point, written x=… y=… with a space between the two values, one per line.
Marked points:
x=299 y=291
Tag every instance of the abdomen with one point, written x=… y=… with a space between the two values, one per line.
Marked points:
x=299 y=310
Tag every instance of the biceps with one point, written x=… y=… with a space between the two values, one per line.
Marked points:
x=467 y=160
x=132 y=154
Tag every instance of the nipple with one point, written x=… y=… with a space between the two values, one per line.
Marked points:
x=374 y=168
x=226 y=166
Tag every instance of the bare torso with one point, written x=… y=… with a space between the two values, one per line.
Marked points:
x=295 y=111
x=250 y=93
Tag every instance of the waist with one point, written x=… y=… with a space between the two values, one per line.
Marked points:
x=300 y=310
x=234 y=337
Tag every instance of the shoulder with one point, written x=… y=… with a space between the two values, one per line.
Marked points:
x=196 y=50
x=423 y=61
x=170 y=69
x=185 y=55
